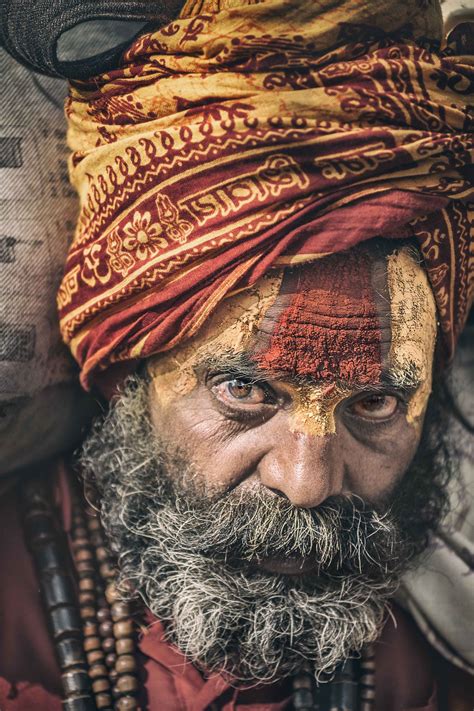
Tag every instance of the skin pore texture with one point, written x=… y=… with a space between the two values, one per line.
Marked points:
x=374 y=314
x=264 y=487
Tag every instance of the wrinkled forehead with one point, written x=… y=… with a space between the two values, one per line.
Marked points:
x=329 y=320
x=353 y=317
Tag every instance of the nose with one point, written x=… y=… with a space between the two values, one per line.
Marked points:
x=305 y=468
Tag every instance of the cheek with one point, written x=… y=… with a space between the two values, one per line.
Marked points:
x=374 y=468
x=219 y=451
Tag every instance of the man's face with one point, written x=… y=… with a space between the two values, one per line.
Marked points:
x=312 y=385
x=259 y=487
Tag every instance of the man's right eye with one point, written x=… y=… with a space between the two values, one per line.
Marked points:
x=240 y=392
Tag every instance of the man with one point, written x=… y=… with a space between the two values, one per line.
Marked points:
x=276 y=461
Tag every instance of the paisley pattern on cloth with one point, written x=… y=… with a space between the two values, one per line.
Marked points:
x=246 y=135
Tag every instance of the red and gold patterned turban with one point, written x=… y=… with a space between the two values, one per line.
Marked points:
x=247 y=135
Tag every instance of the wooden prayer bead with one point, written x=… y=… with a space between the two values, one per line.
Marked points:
x=112 y=594
x=125 y=645
x=97 y=670
x=100 y=685
x=103 y=614
x=108 y=644
x=126 y=684
x=93 y=524
x=91 y=644
x=102 y=554
x=86 y=598
x=127 y=703
x=87 y=613
x=123 y=629
x=80 y=542
x=87 y=584
x=103 y=701
x=107 y=571
x=84 y=566
x=110 y=660
x=95 y=656
x=119 y=611
x=106 y=628
x=126 y=664
x=90 y=629
x=83 y=554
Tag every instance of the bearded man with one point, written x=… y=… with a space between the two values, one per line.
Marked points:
x=270 y=273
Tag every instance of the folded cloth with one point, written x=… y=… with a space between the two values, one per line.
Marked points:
x=246 y=135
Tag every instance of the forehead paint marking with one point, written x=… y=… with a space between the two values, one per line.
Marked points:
x=230 y=329
x=413 y=316
x=314 y=409
x=325 y=324
x=329 y=326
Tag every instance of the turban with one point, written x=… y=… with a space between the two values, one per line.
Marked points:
x=245 y=136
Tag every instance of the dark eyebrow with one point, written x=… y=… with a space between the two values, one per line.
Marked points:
x=406 y=380
x=239 y=365
x=242 y=365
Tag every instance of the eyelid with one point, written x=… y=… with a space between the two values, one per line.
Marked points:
x=402 y=396
x=218 y=378
x=400 y=408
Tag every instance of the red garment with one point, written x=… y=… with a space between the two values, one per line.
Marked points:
x=29 y=676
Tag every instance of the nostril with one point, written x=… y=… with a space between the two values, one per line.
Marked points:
x=279 y=493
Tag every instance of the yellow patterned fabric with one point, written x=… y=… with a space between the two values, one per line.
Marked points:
x=246 y=135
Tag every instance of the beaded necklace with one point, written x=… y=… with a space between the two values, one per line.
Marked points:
x=95 y=632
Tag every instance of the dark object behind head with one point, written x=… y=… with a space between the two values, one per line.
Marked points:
x=30 y=32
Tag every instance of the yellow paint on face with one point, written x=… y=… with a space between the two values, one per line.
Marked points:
x=314 y=408
x=230 y=329
x=413 y=324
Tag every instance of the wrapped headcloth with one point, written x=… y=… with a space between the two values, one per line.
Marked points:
x=249 y=135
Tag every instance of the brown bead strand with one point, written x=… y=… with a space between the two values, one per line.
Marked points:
x=103 y=608
x=124 y=673
x=85 y=563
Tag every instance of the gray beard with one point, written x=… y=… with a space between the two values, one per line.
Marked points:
x=189 y=555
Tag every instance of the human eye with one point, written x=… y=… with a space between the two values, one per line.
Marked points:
x=240 y=392
x=376 y=407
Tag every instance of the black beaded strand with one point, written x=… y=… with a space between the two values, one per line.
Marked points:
x=304 y=690
x=49 y=553
x=344 y=688
x=367 y=679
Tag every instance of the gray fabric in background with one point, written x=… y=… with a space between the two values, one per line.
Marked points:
x=440 y=593
x=42 y=408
